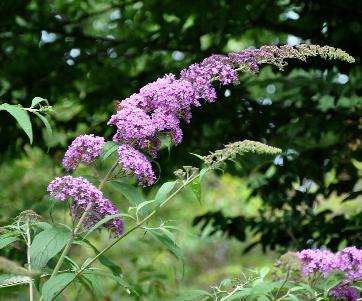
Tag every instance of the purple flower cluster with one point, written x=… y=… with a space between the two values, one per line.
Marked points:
x=134 y=161
x=85 y=195
x=344 y=292
x=315 y=260
x=160 y=106
x=348 y=261
x=84 y=148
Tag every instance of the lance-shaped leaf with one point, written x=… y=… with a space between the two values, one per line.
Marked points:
x=21 y=116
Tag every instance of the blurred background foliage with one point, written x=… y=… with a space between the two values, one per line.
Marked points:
x=83 y=55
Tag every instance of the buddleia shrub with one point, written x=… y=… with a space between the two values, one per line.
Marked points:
x=144 y=123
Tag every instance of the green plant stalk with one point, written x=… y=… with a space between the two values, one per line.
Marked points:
x=28 y=244
x=80 y=222
x=135 y=227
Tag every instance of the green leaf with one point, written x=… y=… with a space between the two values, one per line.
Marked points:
x=95 y=281
x=46 y=123
x=105 y=220
x=141 y=208
x=195 y=187
x=237 y=295
x=166 y=142
x=197 y=156
x=47 y=244
x=55 y=285
x=163 y=192
x=12 y=280
x=37 y=100
x=262 y=287
x=108 y=149
x=202 y=173
x=114 y=268
x=21 y=116
x=5 y=241
x=131 y=193
x=118 y=279
x=167 y=241
x=44 y=225
x=264 y=271
x=292 y=297
x=190 y=295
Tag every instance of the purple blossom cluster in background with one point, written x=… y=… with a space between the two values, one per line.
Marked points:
x=159 y=107
x=344 y=292
x=348 y=261
x=83 y=149
x=84 y=194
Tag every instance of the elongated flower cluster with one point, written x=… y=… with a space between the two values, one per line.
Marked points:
x=160 y=106
x=348 y=261
x=344 y=292
x=136 y=162
x=84 y=194
x=84 y=149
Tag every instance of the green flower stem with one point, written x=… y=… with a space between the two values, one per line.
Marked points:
x=135 y=227
x=28 y=244
x=80 y=222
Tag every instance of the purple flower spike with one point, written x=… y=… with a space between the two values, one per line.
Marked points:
x=84 y=149
x=134 y=161
x=84 y=195
x=159 y=107
x=344 y=292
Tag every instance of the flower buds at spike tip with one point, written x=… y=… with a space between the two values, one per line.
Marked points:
x=230 y=151
x=28 y=216
x=181 y=174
